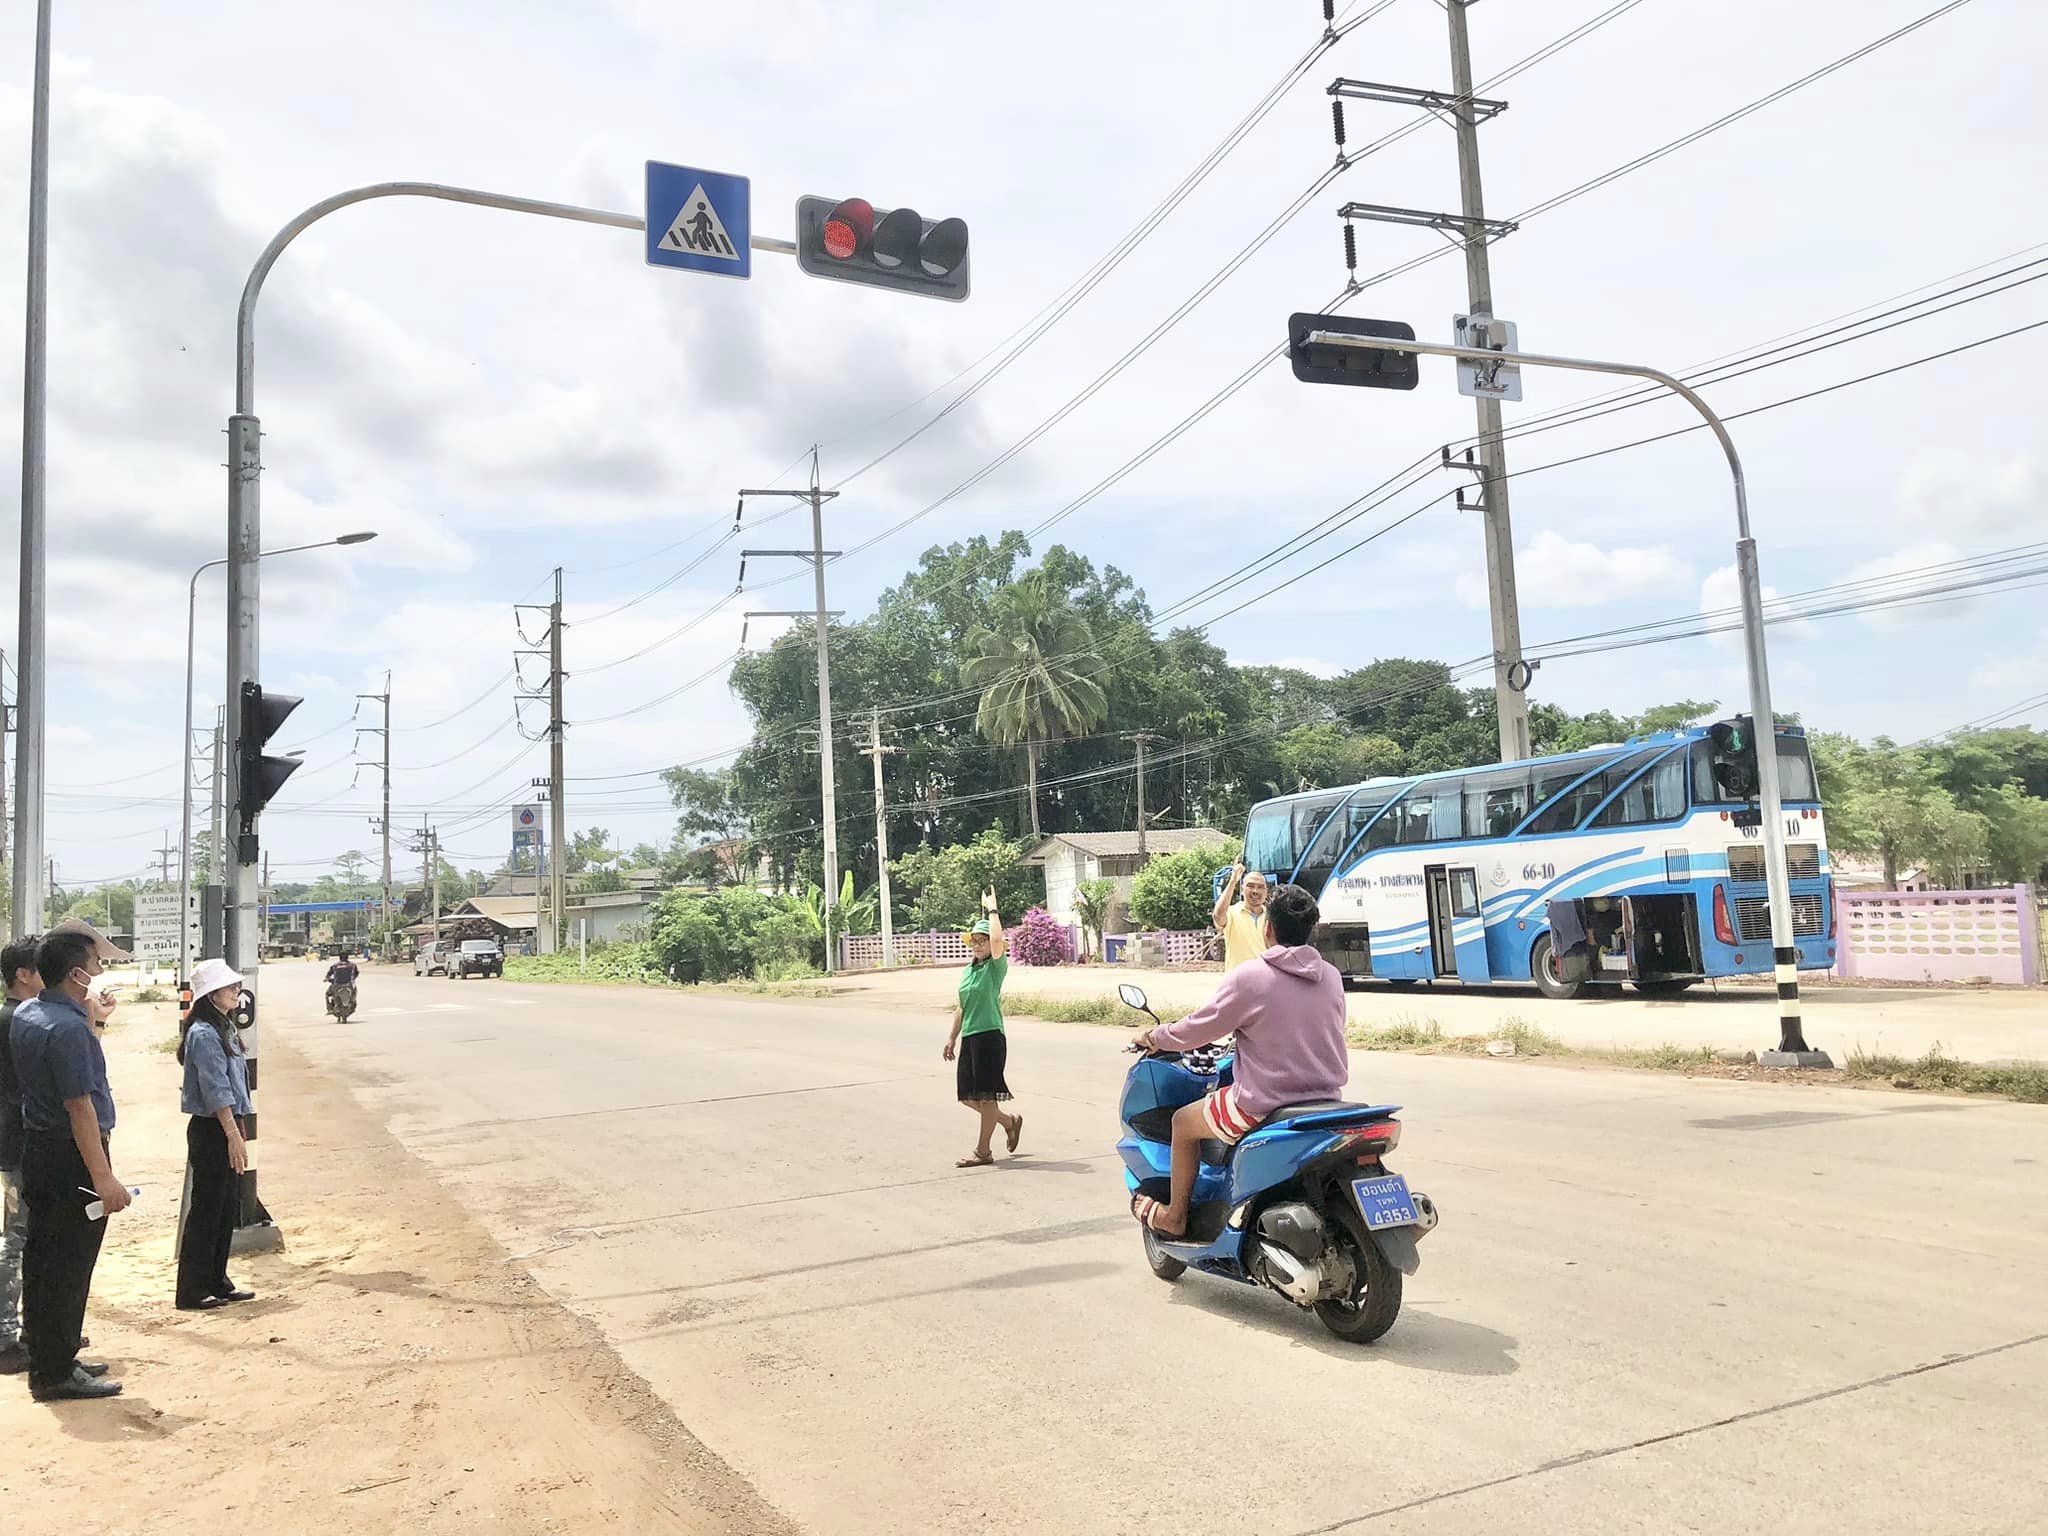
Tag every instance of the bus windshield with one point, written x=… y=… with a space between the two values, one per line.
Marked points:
x=1795 y=774
x=1269 y=840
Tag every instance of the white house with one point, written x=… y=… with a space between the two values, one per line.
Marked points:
x=1071 y=857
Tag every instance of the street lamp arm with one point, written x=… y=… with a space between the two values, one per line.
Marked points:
x=245 y=316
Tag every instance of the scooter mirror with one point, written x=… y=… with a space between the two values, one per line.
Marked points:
x=1133 y=996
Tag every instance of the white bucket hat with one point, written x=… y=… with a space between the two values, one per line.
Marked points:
x=210 y=976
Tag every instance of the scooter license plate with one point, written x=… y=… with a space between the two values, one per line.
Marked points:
x=1384 y=1201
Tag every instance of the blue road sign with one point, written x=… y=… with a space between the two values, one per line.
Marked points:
x=698 y=220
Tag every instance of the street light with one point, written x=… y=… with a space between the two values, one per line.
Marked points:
x=185 y=749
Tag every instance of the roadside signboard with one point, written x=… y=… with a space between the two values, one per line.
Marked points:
x=699 y=220
x=156 y=926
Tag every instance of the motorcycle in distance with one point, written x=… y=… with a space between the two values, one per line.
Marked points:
x=1304 y=1204
x=341 y=1000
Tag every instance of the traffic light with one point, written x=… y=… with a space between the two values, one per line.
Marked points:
x=260 y=776
x=1734 y=758
x=1352 y=365
x=853 y=241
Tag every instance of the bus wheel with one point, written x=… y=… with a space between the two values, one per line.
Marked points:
x=1667 y=986
x=1543 y=968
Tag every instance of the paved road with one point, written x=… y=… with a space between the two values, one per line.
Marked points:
x=1653 y=1304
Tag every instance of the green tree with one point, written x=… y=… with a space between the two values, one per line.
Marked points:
x=944 y=885
x=590 y=848
x=2018 y=835
x=1035 y=669
x=712 y=825
x=1092 y=900
x=1178 y=890
x=1322 y=754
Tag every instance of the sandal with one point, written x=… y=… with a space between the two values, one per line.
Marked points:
x=1014 y=1133
x=1145 y=1208
x=976 y=1160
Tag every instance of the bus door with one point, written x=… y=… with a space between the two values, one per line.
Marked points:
x=1457 y=924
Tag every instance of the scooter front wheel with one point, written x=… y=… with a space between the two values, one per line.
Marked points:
x=1375 y=1299
x=1164 y=1264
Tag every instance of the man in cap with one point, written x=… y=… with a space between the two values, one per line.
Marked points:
x=67 y=1173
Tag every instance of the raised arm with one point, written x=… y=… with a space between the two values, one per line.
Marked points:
x=998 y=945
x=1221 y=915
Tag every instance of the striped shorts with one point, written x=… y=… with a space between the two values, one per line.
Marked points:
x=1228 y=1121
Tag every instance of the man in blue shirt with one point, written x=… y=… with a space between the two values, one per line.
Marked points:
x=18 y=975
x=67 y=1112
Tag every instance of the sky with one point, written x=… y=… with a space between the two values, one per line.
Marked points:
x=499 y=395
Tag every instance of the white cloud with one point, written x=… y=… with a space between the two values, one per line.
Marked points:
x=1954 y=493
x=1552 y=571
x=1907 y=565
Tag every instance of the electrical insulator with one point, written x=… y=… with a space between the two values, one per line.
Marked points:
x=1337 y=121
x=1350 y=249
x=1329 y=10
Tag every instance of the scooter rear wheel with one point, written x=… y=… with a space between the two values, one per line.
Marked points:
x=1164 y=1264
x=1375 y=1301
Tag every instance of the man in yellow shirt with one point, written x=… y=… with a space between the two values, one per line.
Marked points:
x=1242 y=923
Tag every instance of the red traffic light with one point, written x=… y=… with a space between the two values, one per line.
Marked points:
x=850 y=240
x=849 y=228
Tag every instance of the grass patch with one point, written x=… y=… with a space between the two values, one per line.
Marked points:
x=1401 y=1035
x=151 y=995
x=1104 y=1008
x=1942 y=1073
x=168 y=1046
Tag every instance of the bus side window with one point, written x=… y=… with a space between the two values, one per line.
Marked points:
x=1269 y=839
x=1415 y=815
x=1384 y=832
x=1496 y=803
x=1658 y=795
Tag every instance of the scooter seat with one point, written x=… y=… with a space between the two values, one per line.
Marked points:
x=1328 y=1112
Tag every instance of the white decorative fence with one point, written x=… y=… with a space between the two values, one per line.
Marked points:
x=1940 y=935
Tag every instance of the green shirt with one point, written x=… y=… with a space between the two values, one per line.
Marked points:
x=981 y=996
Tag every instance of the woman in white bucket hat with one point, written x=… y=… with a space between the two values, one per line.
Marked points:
x=216 y=1096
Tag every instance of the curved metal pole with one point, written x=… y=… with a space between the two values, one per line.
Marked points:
x=1784 y=944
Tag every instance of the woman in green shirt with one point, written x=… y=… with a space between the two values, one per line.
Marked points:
x=983 y=1049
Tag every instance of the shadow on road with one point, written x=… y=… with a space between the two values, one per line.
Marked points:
x=1420 y=1340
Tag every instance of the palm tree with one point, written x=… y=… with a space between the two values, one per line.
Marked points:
x=1036 y=671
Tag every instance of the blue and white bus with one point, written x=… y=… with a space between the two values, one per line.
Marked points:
x=1621 y=863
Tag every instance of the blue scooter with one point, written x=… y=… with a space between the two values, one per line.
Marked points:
x=1304 y=1204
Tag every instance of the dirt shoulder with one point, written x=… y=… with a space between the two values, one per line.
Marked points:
x=396 y=1372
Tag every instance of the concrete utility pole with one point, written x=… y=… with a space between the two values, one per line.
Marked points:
x=558 y=792
x=1511 y=703
x=1143 y=740
x=384 y=824
x=216 y=851
x=877 y=752
x=29 y=889
x=817 y=554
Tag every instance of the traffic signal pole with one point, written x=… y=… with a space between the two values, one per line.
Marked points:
x=1792 y=1050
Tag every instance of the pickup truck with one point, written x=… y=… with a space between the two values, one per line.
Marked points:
x=476 y=957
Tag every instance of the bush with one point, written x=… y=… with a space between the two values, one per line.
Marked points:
x=608 y=962
x=783 y=945
x=945 y=884
x=1179 y=890
x=1040 y=940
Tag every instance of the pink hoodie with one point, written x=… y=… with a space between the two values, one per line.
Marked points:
x=1288 y=1012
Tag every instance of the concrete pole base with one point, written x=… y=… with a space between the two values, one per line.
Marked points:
x=1795 y=1059
x=262 y=1237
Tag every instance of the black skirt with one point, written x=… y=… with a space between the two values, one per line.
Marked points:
x=982 y=1059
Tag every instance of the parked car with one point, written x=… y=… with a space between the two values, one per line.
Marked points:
x=476 y=957
x=432 y=958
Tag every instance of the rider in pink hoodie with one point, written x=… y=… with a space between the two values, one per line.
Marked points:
x=1287 y=1011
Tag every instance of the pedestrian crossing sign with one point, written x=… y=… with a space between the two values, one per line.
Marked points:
x=698 y=220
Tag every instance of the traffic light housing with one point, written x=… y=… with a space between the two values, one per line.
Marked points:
x=1352 y=365
x=259 y=776
x=1734 y=758
x=850 y=240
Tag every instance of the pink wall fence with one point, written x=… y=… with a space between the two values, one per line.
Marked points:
x=1940 y=935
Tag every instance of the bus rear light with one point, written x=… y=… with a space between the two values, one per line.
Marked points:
x=1724 y=927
